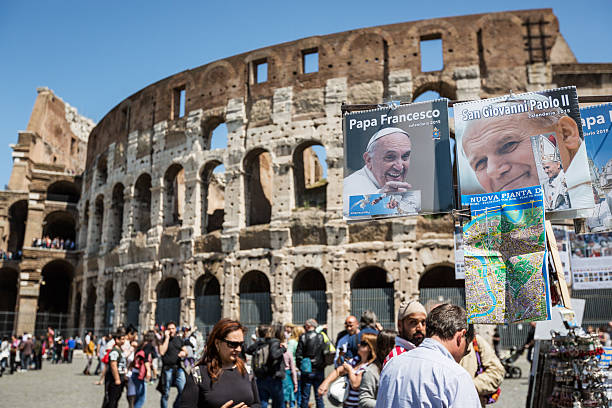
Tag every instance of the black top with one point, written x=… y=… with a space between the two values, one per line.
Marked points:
x=149 y=350
x=311 y=345
x=231 y=385
x=276 y=361
x=171 y=358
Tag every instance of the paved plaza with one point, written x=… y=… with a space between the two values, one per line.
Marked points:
x=63 y=385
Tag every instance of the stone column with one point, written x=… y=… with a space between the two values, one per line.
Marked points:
x=468 y=82
x=128 y=215
x=281 y=290
x=27 y=299
x=400 y=85
x=35 y=219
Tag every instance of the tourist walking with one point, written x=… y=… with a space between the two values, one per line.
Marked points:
x=89 y=349
x=115 y=374
x=430 y=375
x=220 y=378
x=310 y=362
x=268 y=365
x=172 y=350
x=142 y=368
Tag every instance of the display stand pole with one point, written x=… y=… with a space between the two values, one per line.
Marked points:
x=552 y=247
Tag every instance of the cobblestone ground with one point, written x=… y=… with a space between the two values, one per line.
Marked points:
x=64 y=385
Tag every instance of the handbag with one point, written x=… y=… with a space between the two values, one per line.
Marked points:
x=338 y=391
x=491 y=399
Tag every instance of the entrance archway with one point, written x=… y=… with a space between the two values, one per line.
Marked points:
x=109 y=306
x=8 y=299
x=308 y=298
x=208 y=302
x=438 y=285
x=54 y=296
x=132 y=303
x=255 y=304
x=18 y=214
x=168 y=302
x=90 y=309
x=371 y=289
x=60 y=225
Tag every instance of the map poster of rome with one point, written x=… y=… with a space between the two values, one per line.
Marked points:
x=397 y=161
x=506 y=279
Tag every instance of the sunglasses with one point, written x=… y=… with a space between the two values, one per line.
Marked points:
x=233 y=344
x=364 y=344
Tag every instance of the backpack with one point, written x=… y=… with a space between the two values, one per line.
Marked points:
x=329 y=351
x=139 y=364
x=259 y=362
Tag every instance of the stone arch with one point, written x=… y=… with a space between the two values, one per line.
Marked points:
x=309 y=181
x=55 y=294
x=217 y=79
x=372 y=289
x=168 y=301
x=98 y=224
x=207 y=293
x=255 y=302
x=209 y=128
x=90 y=308
x=443 y=88
x=18 y=215
x=500 y=44
x=367 y=60
x=142 y=203
x=437 y=284
x=8 y=290
x=309 y=298
x=259 y=185
x=76 y=310
x=102 y=170
x=212 y=197
x=271 y=57
x=174 y=195
x=132 y=305
x=352 y=42
x=61 y=225
x=64 y=191
x=116 y=215
x=109 y=305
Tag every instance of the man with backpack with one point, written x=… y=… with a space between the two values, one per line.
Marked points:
x=268 y=365
x=114 y=378
x=310 y=359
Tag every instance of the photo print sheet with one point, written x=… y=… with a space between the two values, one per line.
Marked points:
x=596 y=125
x=397 y=161
x=591 y=260
x=496 y=152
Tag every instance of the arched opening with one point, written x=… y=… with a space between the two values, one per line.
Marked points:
x=212 y=193
x=76 y=310
x=18 y=214
x=60 y=228
x=98 y=222
x=174 y=193
x=310 y=175
x=142 y=203
x=116 y=213
x=218 y=135
x=102 y=170
x=109 y=306
x=90 y=308
x=8 y=300
x=54 y=295
x=208 y=302
x=255 y=304
x=132 y=305
x=168 y=302
x=85 y=226
x=372 y=289
x=259 y=186
x=438 y=285
x=64 y=191
x=309 y=298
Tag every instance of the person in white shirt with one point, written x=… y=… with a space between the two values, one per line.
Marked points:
x=429 y=375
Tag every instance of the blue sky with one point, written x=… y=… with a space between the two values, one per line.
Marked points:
x=95 y=54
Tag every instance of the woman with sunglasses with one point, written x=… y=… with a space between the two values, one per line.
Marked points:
x=220 y=378
x=353 y=369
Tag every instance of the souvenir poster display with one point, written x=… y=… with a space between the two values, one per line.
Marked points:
x=591 y=260
x=497 y=139
x=459 y=262
x=397 y=161
x=562 y=238
x=596 y=127
x=506 y=278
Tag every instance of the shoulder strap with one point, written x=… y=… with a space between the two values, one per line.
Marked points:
x=196 y=374
x=481 y=368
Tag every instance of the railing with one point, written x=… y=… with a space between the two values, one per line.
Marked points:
x=65 y=198
x=308 y=304
x=378 y=300
x=7 y=321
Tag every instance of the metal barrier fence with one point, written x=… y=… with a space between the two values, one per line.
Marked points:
x=168 y=309
x=7 y=321
x=255 y=309
x=309 y=304
x=379 y=300
x=598 y=306
x=208 y=312
x=59 y=322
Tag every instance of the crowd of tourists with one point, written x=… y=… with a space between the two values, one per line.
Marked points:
x=47 y=242
x=10 y=256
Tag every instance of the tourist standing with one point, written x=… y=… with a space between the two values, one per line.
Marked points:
x=410 y=326
x=172 y=350
x=90 y=349
x=370 y=380
x=268 y=365
x=310 y=362
x=142 y=368
x=115 y=374
x=343 y=343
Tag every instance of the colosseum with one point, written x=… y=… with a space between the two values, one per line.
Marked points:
x=173 y=221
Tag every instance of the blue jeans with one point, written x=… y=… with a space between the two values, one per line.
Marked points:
x=173 y=378
x=269 y=387
x=141 y=391
x=315 y=379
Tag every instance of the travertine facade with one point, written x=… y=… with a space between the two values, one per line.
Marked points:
x=147 y=215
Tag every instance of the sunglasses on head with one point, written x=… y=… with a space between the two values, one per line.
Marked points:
x=233 y=344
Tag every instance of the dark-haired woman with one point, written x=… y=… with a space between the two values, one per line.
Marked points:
x=371 y=377
x=220 y=379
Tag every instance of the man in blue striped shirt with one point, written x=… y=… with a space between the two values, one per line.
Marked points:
x=429 y=375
